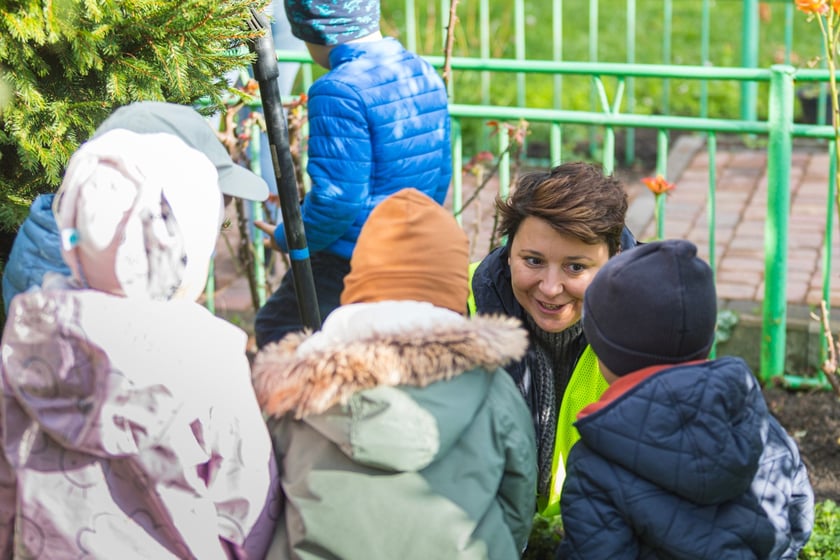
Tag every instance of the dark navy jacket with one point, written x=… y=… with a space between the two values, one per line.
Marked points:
x=684 y=462
x=378 y=123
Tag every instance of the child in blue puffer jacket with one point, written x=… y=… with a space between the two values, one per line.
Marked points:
x=36 y=250
x=680 y=457
x=378 y=123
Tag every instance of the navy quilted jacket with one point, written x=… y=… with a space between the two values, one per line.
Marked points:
x=684 y=462
x=378 y=123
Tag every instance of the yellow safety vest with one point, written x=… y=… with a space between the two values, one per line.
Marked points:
x=586 y=386
x=471 y=297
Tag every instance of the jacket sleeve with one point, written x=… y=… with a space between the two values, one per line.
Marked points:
x=243 y=484
x=593 y=526
x=517 y=492
x=801 y=511
x=782 y=487
x=340 y=163
x=35 y=251
x=445 y=162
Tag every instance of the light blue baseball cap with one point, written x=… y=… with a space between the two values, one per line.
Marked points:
x=186 y=123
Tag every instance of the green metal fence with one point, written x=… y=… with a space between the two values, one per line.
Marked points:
x=613 y=107
x=779 y=130
x=609 y=31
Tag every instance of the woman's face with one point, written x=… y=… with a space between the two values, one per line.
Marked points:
x=550 y=272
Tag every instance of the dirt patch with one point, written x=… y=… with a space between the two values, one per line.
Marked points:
x=812 y=418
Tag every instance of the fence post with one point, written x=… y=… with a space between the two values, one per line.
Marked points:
x=780 y=144
x=749 y=58
x=457 y=169
x=257 y=214
x=410 y=26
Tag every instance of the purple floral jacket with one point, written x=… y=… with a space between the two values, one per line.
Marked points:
x=129 y=430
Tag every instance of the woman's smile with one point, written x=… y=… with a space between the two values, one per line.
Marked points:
x=551 y=271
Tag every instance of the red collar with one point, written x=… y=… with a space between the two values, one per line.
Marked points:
x=625 y=383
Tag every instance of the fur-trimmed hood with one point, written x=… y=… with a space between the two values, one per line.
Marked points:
x=367 y=345
x=413 y=428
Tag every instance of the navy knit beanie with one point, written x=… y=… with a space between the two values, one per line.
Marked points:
x=332 y=22
x=650 y=305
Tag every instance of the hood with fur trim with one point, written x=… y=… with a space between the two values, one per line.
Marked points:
x=401 y=409
x=393 y=385
x=368 y=345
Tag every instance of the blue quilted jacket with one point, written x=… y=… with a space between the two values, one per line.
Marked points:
x=36 y=250
x=378 y=123
x=685 y=462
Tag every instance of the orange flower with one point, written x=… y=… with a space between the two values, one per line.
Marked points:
x=658 y=185
x=473 y=166
x=835 y=5
x=819 y=7
x=252 y=87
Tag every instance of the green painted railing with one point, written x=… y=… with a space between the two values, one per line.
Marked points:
x=779 y=129
x=594 y=23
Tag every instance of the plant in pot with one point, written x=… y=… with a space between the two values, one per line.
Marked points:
x=810 y=96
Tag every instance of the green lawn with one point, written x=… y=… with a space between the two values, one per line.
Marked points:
x=651 y=46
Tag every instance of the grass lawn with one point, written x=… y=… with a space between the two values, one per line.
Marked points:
x=682 y=46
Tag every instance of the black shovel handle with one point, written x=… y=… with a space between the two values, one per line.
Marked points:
x=266 y=73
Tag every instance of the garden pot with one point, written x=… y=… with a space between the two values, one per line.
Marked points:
x=808 y=99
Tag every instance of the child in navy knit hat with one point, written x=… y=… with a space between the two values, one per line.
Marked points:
x=378 y=123
x=680 y=458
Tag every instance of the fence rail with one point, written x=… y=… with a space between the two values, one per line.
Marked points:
x=779 y=131
x=614 y=106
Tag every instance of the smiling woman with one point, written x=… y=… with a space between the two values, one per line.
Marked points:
x=562 y=226
x=550 y=272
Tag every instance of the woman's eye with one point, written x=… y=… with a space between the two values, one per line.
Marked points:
x=533 y=261
x=576 y=267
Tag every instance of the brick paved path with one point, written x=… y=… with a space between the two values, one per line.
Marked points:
x=741 y=211
x=741 y=202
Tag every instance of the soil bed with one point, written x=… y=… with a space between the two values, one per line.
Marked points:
x=813 y=419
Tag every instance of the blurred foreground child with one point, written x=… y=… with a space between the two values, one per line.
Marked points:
x=129 y=425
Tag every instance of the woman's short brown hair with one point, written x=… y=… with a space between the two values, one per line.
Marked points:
x=575 y=198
